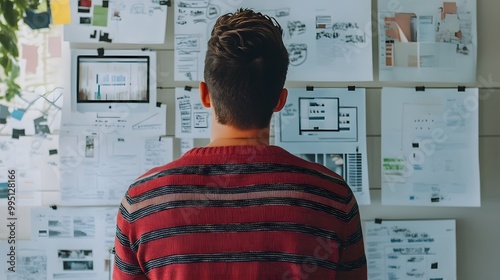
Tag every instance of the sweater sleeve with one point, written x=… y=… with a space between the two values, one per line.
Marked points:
x=352 y=255
x=126 y=266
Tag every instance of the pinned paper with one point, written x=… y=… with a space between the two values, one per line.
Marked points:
x=30 y=54
x=55 y=46
x=61 y=13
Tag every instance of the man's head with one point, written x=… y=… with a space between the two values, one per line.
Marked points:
x=245 y=69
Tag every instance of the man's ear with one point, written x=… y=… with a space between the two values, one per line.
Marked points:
x=204 y=95
x=281 y=100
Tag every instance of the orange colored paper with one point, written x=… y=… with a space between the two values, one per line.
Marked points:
x=60 y=10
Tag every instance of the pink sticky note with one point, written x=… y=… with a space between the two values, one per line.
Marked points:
x=30 y=53
x=55 y=46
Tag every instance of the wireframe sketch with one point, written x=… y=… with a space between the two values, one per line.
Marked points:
x=327 y=126
x=185 y=111
x=429 y=152
x=192 y=118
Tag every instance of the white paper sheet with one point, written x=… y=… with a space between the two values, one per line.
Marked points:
x=428 y=41
x=98 y=167
x=35 y=160
x=411 y=249
x=77 y=225
x=326 y=40
x=56 y=259
x=328 y=126
x=192 y=120
x=117 y=21
x=430 y=147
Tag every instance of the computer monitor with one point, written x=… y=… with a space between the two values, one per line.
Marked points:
x=113 y=83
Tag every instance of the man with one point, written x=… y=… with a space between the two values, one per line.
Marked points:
x=240 y=208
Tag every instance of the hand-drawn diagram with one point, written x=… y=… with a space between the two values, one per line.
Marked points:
x=192 y=120
x=420 y=40
x=325 y=41
x=327 y=126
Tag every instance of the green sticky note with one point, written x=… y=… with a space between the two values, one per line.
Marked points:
x=42 y=7
x=100 y=16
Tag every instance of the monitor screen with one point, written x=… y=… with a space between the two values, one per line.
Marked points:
x=105 y=79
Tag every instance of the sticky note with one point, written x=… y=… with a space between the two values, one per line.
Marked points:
x=55 y=46
x=17 y=114
x=30 y=54
x=61 y=13
x=100 y=16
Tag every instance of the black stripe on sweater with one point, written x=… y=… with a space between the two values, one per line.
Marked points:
x=155 y=208
x=247 y=168
x=246 y=227
x=251 y=257
x=127 y=268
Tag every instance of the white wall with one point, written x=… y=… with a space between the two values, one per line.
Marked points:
x=477 y=228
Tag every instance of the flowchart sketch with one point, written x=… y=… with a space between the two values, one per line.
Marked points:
x=428 y=41
x=326 y=40
x=117 y=21
x=192 y=119
x=416 y=249
x=328 y=126
x=430 y=152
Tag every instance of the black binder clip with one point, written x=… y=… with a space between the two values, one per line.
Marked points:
x=309 y=88
x=54 y=207
x=351 y=88
x=461 y=88
x=158 y=104
x=100 y=52
x=378 y=221
x=420 y=88
x=187 y=88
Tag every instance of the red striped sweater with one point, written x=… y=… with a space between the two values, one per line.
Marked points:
x=239 y=212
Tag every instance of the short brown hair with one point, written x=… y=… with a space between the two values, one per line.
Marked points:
x=245 y=68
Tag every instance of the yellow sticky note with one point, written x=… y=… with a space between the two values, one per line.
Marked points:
x=60 y=10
